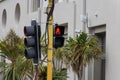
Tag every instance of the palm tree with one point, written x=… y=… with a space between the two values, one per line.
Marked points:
x=80 y=51
x=12 y=49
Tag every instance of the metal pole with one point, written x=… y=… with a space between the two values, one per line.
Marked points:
x=50 y=42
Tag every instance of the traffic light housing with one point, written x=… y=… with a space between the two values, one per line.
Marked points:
x=58 y=36
x=32 y=41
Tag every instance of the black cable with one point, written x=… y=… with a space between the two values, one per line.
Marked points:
x=48 y=17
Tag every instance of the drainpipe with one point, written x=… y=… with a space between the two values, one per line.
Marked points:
x=84 y=18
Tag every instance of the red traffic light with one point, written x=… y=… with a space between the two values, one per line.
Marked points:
x=58 y=36
x=59 y=30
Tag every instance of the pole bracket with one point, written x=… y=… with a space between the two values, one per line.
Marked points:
x=49 y=60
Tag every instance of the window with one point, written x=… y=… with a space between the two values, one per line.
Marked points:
x=4 y=18
x=17 y=13
x=35 y=5
x=32 y=5
x=97 y=68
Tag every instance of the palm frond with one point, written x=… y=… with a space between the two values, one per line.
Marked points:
x=12 y=48
x=82 y=49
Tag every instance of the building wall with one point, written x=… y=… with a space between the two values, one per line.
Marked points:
x=113 y=40
x=10 y=13
x=96 y=12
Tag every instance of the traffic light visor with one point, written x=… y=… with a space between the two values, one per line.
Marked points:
x=30 y=53
x=25 y=31
x=29 y=30
x=29 y=42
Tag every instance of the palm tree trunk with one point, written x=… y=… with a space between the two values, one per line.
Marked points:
x=80 y=75
x=37 y=73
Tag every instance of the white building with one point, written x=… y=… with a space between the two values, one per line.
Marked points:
x=98 y=17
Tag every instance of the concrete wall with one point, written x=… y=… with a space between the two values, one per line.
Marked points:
x=96 y=12
x=113 y=40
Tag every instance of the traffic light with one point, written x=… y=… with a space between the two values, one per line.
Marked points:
x=58 y=36
x=32 y=41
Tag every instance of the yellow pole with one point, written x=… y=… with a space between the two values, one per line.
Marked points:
x=50 y=45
